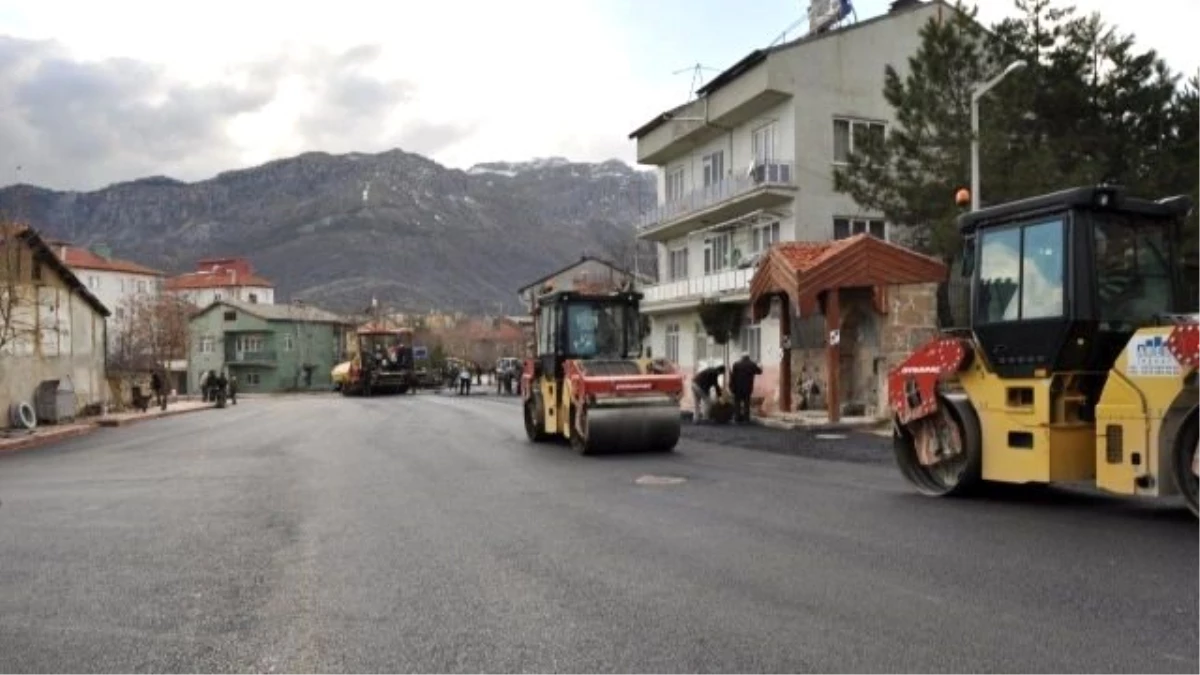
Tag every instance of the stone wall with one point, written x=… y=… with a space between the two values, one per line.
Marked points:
x=860 y=348
x=879 y=343
x=910 y=323
x=69 y=342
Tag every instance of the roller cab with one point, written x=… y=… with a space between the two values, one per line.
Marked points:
x=1065 y=373
x=587 y=382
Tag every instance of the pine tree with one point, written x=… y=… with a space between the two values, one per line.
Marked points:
x=1090 y=107
x=911 y=176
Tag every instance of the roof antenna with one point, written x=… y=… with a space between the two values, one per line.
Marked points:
x=791 y=27
x=697 y=72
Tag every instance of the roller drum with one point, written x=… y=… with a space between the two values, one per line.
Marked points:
x=629 y=427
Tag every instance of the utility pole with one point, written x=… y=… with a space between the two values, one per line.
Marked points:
x=975 y=96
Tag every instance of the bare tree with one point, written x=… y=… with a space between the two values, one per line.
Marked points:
x=18 y=295
x=153 y=332
x=631 y=254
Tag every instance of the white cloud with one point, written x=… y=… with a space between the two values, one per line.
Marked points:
x=462 y=81
x=1162 y=25
x=226 y=83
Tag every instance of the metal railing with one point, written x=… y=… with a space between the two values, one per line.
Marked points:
x=765 y=174
x=720 y=282
x=234 y=356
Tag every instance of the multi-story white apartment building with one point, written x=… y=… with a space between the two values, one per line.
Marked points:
x=749 y=162
x=222 y=279
x=113 y=281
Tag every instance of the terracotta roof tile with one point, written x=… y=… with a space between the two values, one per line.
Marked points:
x=81 y=258
x=224 y=279
x=803 y=255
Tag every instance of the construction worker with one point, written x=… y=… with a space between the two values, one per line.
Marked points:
x=705 y=381
x=464 y=379
x=741 y=385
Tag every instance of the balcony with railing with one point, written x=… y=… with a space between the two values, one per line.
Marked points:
x=733 y=282
x=258 y=357
x=766 y=185
x=747 y=90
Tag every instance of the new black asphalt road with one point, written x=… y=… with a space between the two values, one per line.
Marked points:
x=423 y=533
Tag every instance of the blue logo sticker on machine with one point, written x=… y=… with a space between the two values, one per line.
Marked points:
x=420 y=352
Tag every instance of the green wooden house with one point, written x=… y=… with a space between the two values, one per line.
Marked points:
x=268 y=348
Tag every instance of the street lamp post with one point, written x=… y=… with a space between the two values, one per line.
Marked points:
x=975 y=96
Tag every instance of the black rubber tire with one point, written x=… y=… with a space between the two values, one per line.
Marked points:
x=579 y=442
x=533 y=424
x=22 y=416
x=926 y=480
x=1181 y=464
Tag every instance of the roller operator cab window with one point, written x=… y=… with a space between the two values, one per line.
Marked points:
x=602 y=330
x=1133 y=268
x=1021 y=273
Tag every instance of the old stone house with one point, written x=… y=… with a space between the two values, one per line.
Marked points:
x=586 y=274
x=849 y=311
x=51 y=326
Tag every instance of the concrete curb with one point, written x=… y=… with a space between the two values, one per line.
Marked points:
x=38 y=440
x=111 y=422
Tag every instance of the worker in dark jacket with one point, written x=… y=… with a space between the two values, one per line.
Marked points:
x=704 y=382
x=159 y=389
x=741 y=385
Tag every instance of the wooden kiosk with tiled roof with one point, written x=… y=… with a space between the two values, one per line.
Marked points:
x=811 y=277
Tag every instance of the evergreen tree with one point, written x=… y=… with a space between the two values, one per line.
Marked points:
x=911 y=175
x=1090 y=107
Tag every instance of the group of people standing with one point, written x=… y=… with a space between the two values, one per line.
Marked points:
x=706 y=388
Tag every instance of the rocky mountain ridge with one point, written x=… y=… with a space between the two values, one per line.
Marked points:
x=339 y=229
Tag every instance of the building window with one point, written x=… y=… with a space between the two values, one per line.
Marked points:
x=763 y=236
x=250 y=343
x=207 y=345
x=762 y=143
x=93 y=282
x=253 y=298
x=216 y=295
x=120 y=313
x=122 y=282
x=714 y=168
x=253 y=379
x=287 y=342
x=674 y=184
x=231 y=316
x=850 y=136
x=751 y=341
x=677 y=264
x=672 y=343
x=700 y=347
x=141 y=286
x=717 y=249
x=848 y=227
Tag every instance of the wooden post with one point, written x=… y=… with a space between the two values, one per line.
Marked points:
x=785 y=359
x=833 y=321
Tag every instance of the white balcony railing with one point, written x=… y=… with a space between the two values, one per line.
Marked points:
x=763 y=175
x=728 y=281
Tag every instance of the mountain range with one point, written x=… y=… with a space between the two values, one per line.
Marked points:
x=338 y=230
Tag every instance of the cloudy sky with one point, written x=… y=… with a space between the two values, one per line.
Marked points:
x=93 y=92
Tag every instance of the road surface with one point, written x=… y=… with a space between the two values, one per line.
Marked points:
x=423 y=533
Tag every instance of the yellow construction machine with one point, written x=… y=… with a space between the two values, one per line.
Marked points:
x=588 y=383
x=1079 y=364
